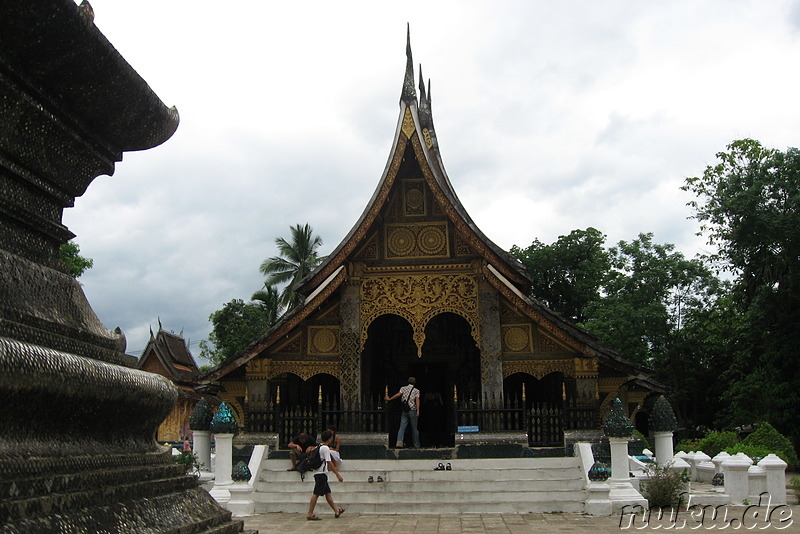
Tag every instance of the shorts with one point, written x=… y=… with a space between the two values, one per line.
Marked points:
x=321 y=487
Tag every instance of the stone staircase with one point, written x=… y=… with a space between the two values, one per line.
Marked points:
x=506 y=485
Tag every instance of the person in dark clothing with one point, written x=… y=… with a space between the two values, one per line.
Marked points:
x=299 y=447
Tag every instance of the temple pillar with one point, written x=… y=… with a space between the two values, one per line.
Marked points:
x=350 y=378
x=491 y=346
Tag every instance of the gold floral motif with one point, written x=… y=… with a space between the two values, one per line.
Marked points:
x=548 y=345
x=428 y=240
x=304 y=370
x=538 y=368
x=418 y=298
x=586 y=367
x=428 y=139
x=517 y=338
x=414 y=197
x=323 y=340
x=408 y=124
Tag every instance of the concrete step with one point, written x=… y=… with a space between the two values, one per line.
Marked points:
x=507 y=485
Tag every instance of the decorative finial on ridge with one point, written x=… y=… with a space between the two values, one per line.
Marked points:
x=409 y=94
x=424 y=110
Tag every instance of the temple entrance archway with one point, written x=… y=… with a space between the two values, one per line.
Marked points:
x=449 y=366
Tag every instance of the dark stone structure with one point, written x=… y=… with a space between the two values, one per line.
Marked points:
x=77 y=448
x=662 y=418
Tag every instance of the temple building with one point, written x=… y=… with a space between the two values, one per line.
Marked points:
x=416 y=289
x=167 y=354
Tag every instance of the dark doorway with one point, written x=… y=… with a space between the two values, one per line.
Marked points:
x=450 y=362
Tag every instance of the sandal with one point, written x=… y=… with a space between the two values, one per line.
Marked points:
x=370 y=479
x=449 y=467
x=314 y=518
x=380 y=479
x=340 y=512
x=439 y=467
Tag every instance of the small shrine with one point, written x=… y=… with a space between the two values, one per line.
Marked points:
x=416 y=289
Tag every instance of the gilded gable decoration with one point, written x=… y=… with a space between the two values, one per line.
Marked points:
x=268 y=369
x=428 y=240
x=547 y=344
x=414 y=199
x=418 y=298
x=517 y=338
x=323 y=340
x=586 y=367
x=294 y=345
x=408 y=127
x=369 y=250
x=538 y=368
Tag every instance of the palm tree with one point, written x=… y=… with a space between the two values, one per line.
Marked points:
x=296 y=260
x=269 y=300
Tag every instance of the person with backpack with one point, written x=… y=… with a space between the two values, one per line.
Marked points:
x=410 y=411
x=299 y=447
x=320 y=460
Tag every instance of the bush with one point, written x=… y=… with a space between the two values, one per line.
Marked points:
x=188 y=460
x=687 y=445
x=717 y=441
x=794 y=483
x=766 y=437
x=664 y=486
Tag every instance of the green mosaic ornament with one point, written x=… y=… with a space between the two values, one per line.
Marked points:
x=240 y=472
x=662 y=418
x=223 y=421
x=201 y=416
x=618 y=425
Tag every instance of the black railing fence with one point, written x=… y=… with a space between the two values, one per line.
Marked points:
x=544 y=422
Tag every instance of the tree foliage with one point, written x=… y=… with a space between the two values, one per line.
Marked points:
x=748 y=206
x=69 y=253
x=568 y=274
x=235 y=326
x=295 y=260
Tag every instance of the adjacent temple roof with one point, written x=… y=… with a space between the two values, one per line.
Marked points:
x=415 y=133
x=168 y=355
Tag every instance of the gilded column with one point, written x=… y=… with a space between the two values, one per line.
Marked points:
x=350 y=386
x=491 y=345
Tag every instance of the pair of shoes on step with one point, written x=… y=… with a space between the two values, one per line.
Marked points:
x=442 y=467
x=372 y=479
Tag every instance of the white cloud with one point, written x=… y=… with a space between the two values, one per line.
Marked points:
x=551 y=116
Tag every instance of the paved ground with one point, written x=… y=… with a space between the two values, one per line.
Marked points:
x=783 y=519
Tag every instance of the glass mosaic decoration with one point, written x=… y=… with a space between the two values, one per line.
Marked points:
x=662 y=418
x=201 y=416
x=240 y=472
x=223 y=421
x=618 y=425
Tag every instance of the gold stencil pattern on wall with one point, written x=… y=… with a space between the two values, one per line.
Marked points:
x=427 y=240
x=323 y=340
x=517 y=338
x=418 y=298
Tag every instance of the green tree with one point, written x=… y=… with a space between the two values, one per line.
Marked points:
x=235 y=326
x=69 y=253
x=748 y=206
x=568 y=274
x=295 y=260
x=646 y=297
x=269 y=300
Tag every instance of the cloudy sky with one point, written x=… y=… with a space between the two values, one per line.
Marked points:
x=551 y=116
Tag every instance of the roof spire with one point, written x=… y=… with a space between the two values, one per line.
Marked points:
x=424 y=109
x=409 y=94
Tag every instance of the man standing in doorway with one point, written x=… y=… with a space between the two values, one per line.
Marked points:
x=410 y=411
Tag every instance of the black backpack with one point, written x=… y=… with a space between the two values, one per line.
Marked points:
x=311 y=462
